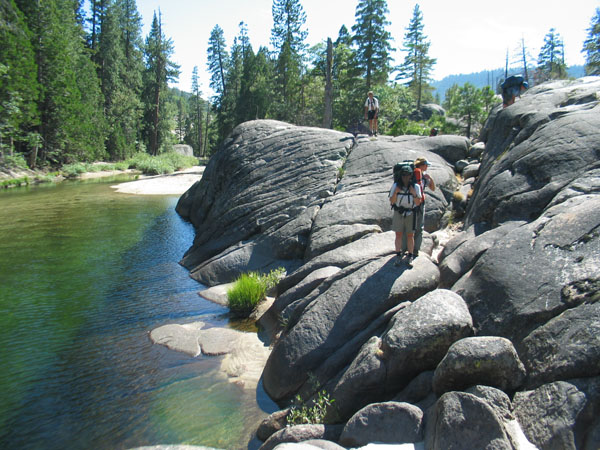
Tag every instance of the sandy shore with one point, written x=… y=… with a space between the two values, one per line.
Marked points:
x=172 y=184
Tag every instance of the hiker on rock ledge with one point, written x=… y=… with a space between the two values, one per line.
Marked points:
x=371 y=113
x=405 y=197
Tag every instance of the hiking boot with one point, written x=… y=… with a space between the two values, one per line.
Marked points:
x=398 y=259
x=375 y=134
x=410 y=259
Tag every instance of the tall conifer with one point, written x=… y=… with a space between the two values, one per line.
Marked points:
x=18 y=84
x=551 y=60
x=591 y=46
x=373 y=41
x=72 y=124
x=159 y=71
x=288 y=37
x=194 y=136
x=417 y=63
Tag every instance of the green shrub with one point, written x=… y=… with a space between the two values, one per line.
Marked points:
x=271 y=279
x=405 y=126
x=14 y=182
x=300 y=413
x=17 y=161
x=74 y=170
x=179 y=162
x=123 y=165
x=135 y=160
x=161 y=164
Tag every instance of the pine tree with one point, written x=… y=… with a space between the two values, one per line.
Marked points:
x=181 y=119
x=348 y=86
x=233 y=80
x=159 y=71
x=130 y=110
x=467 y=103
x=194 y=134
x=218 y=65
x=110 y=62
x=372 y=41
x=217 y=61
x=289 y=19
x=18 y=84
x=72 y=124
x=288 y=38
x=417 y=63
x=244 y=40
x=551 y=60
x=328 y=113
x=256 y=92
x=591 y=46
x=242 y=56
x=97 y=9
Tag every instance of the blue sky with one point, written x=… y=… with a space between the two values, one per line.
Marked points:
x=466 y=35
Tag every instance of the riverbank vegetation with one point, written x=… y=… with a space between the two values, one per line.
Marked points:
x=80 y=84
x=14 y=170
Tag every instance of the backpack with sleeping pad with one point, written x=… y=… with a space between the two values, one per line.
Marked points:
x=406 y=166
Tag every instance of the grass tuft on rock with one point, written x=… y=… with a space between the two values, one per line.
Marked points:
x=245 y=294
x=249 y=289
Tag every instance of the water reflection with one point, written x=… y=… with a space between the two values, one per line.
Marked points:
x=85 y=274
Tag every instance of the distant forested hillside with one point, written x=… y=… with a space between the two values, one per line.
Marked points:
x=484 y=78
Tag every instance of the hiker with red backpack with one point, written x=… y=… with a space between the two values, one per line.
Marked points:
x=405 y=197
x=424 y=180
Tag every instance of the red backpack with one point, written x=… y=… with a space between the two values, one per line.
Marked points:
x=418 y=176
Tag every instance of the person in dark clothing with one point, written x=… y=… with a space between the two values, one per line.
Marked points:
x=512 y=87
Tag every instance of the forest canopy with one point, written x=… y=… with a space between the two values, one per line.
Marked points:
x=81 y=84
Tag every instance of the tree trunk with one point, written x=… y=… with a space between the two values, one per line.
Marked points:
x=199 y=125
x=469 y=119
x=524 y=59
x=206 y=130
x=33 y=156
x=154 y=140
x=328 y=113
x=419 y=87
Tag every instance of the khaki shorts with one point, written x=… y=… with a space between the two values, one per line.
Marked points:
x=403 y=223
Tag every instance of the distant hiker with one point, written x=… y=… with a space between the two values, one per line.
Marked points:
x=372 y=112
x=424 y=180
x=433 y=132
x=405 y=196
x=511 y=87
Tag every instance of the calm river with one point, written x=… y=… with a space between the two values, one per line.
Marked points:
x=85 y=274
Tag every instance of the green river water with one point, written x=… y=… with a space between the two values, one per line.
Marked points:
x=85 y=274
